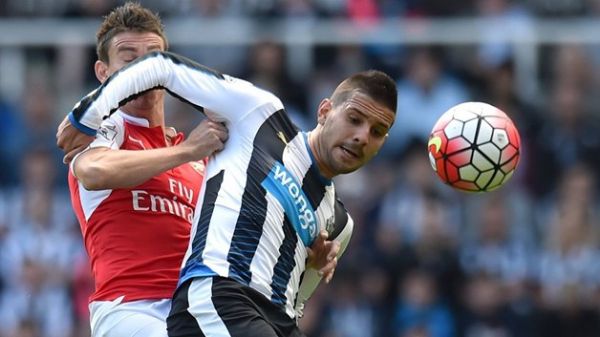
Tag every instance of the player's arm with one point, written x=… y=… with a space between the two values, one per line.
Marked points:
x=103 y=167
x=221 y=97
x=312 y=277
x=71 y=140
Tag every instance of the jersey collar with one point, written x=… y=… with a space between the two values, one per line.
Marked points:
x=314 y=165
x=133 y=120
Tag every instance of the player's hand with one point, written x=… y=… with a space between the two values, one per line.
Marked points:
x=322 y=255
x=206 y=139
x=71 y=140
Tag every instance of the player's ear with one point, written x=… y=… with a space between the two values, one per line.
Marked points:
x=324 y=107
x=101 y=70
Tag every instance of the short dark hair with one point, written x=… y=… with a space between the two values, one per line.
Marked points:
x=374 y=83
x=129 y=17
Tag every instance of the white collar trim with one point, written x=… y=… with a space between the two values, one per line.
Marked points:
x=133 y=120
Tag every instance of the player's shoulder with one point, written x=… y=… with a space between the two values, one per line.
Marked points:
x=260 y=94
x=342 y=220
x=111 y=127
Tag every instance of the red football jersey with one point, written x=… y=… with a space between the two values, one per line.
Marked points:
x=136 y=237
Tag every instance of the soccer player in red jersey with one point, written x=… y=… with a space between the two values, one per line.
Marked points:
x=134 y=189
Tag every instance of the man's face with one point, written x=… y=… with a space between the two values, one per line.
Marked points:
x=124 y=48
x=352 y=132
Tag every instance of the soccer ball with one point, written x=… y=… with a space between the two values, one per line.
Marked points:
x=474 y=147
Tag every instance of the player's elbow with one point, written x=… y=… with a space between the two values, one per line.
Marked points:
x=93 y=176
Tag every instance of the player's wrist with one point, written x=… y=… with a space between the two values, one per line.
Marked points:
x=184 y=153
x=80 y=126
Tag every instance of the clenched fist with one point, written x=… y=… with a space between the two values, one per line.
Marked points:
x=206 y=139
x=71 y=140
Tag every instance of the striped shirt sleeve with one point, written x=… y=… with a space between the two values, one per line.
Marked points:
x=311 y=279
x=221 y=97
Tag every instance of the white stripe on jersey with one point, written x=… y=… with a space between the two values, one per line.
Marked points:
x=203 y=309
x=326 y=210
x=296 y=157
x=90 y=200
x=267 y=251
x=291 y=291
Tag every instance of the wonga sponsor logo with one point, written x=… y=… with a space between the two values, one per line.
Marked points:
x=288 y=192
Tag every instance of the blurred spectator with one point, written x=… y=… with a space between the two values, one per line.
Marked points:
x=197 y=8
x=370 y=301
x=568 y=272
x=559 y=8
x=504 y=250
x=571 y=318
x=12 y=141
x=419 y=308
x=266 y=68
x=375 y=285
x=569 y=259
x=348 y=313
x=89 y=8
x=505 y=20
x=35 y=8
x=571 y=65
x=31 y=299
x=485 y=312
x=577 y=184
x=408 y=205
x=28 y=328
x=424 y=94
x=227 y=58
x=419 y=224
x=305 y=9
x=38 y=170
x=568 y=135
x=496 y=249
x=363 y=11
x=35 y=267
x=363 y=192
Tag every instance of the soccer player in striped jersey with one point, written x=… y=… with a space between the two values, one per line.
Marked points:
x=134 y=190
x=267 y=196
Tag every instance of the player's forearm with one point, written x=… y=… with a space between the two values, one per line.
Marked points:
x=100 y=169
x=227 y=98
x=145 y=73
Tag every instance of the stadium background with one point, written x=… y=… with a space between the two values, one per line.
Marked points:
x=424 y=261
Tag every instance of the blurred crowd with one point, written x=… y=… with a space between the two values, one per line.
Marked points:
x=424 y=261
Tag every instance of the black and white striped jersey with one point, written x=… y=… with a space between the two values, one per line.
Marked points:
x=264 y=199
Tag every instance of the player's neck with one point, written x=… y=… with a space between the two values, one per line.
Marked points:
x=317 y=150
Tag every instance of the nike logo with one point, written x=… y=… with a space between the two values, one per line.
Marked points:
x=436 y=142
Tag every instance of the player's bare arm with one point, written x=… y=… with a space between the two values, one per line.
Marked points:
x=105 y=168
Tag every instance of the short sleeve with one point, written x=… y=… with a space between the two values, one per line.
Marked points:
x=110 y=134
x=312 y=279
